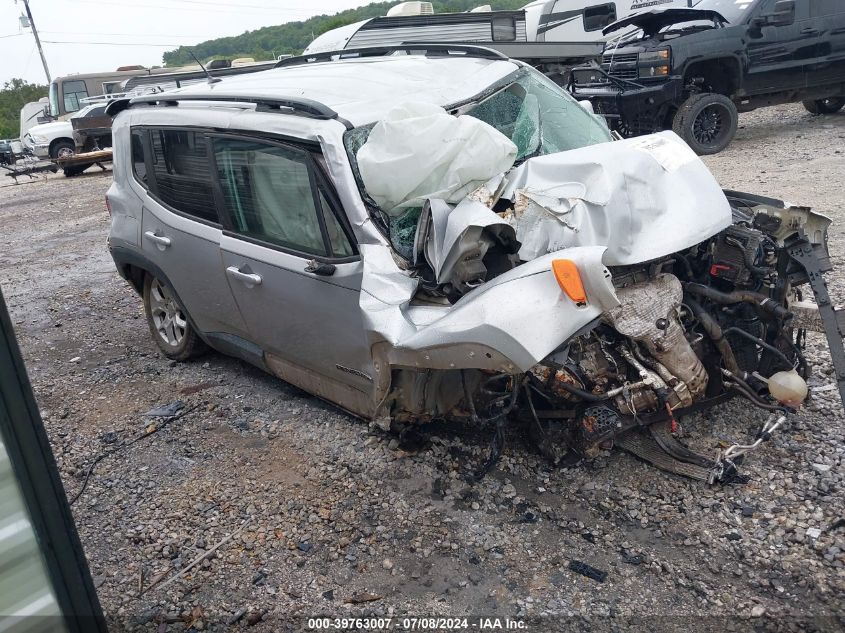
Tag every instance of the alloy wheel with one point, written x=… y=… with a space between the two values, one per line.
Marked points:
x=168 y=318
x=710 y=124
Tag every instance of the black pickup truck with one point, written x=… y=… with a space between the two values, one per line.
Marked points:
x=694 y=69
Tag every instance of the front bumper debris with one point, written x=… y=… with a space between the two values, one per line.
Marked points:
x=725 y=463
x=659 y=447
x=632 y=106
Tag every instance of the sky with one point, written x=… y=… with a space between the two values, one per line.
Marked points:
x=131 y=32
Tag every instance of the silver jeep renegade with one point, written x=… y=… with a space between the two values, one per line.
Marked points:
x=440 y=232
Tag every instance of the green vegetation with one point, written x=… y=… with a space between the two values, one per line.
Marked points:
x=13 y=96
x=291 y=38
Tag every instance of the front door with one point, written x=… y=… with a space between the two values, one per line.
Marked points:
x=293 y=268
x=778 y=55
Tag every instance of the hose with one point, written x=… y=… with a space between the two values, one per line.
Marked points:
x=584 y=395
x=714 y=331
x=774 y=350
x=746 y=391
x=766 y=304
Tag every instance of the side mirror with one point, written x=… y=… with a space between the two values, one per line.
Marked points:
x=587 y=105
x=783 y=14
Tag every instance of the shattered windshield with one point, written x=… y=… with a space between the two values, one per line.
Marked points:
x=535 y=114
x=539 y=117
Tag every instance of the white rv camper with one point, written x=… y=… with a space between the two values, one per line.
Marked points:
x=32 y=114
x=541 y=30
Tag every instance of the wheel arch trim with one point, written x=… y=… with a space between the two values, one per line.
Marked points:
x=127 y=261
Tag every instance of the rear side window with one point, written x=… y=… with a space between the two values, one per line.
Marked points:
x=823 y=8
x=182 y=172
x=139 y=166
x=270 y=196
x=599 y=16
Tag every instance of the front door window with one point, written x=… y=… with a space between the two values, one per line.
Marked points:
x=269 y=192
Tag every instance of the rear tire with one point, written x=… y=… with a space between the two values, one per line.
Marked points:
x=825 y=106
x=168 y=321
x=707 y=122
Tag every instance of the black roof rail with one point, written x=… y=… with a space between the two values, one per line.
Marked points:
x=296 y=105
x=431 y=49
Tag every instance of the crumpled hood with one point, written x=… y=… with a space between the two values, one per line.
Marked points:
x=641 y=198
x=653 y=20
x=603 y=205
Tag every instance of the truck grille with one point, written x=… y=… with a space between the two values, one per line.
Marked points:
x=620 y=65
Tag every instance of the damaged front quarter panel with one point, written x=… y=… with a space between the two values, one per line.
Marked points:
x=508 y=325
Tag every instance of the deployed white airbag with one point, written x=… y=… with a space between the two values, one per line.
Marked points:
x=419 y=151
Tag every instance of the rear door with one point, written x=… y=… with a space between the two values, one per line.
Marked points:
x=778 y=55
x=180 y=226
x=293 y=267
x=827 y=25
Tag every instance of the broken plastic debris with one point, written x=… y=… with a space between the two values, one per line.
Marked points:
x=165 y=410
x=454 y=235
x=586 y=570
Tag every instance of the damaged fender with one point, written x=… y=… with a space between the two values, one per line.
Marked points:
x=508 y=325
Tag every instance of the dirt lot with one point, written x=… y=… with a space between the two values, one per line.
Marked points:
x=332 y=518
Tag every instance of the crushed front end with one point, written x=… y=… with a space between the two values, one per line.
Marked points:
x=594 y=295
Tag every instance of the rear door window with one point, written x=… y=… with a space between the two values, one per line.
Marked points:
x=271 y=195
x=182 y=172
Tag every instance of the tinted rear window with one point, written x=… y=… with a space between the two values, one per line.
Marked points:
x=182 y=172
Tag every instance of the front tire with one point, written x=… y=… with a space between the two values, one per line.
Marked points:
x=825 y=106
x=62 y=149
x=168 y=321
x=707 y=122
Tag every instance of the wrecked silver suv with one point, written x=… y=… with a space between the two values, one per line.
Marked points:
x=442 y=233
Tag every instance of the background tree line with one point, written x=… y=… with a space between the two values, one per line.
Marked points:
x=13 y=96
x=291 y=38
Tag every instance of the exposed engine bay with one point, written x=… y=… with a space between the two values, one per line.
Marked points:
x=692 y=329
x=596 y=296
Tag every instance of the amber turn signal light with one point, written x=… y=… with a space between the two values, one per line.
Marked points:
x=567 y=275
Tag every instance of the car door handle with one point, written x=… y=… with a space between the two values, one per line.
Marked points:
x=161 y=241
x=320 y=268
x=809 y=30
x=250 y=279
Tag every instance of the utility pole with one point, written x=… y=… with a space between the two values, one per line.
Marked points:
x=37 y=40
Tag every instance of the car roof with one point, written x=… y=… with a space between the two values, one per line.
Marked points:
x=362 y=90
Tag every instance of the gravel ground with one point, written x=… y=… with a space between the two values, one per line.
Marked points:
x=326 y=516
